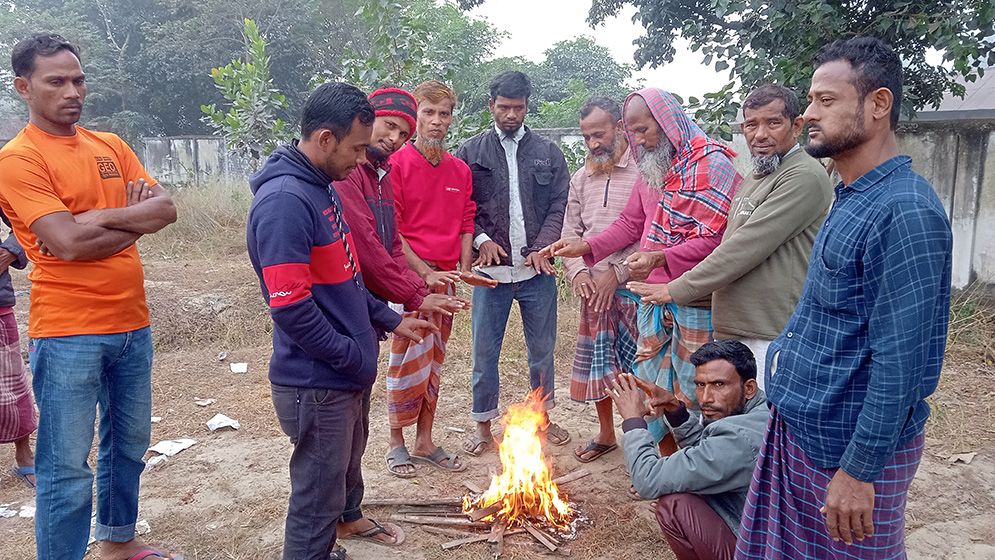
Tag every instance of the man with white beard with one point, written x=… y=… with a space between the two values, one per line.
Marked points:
x=756 y=274
x=678 y=210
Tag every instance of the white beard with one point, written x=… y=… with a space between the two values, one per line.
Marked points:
x=655 y=165
x=765 y=165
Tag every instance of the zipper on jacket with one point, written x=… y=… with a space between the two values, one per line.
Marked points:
x=608 y=182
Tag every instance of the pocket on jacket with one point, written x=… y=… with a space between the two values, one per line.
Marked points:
x=483 y=182
x=541 y=181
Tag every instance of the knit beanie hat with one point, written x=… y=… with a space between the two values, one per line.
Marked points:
x=395 y=102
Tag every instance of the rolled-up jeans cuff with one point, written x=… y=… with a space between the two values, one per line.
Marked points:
x=352 y=515
x=484 y=416
x=549 y=404
x=121 y=534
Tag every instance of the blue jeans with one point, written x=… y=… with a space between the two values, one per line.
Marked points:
x=537 y=302
x=73 y=375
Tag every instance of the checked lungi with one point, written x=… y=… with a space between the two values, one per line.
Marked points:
x=17 y=410
x=670 y=333
x=414 y=368
x=606 y=345
x=781 y=519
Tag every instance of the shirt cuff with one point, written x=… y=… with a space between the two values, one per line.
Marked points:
x=863 y=464
x=678 y=417
x=630 y=424
x=479 y=240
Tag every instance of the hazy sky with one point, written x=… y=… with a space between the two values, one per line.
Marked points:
x=535 y=25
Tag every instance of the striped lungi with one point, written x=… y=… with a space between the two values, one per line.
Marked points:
x=414 y=369
x=17 y=410
x=670 y=333
x=781 y=519
x=606 y=345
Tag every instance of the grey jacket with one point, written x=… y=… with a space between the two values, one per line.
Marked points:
x=543 y=183
x=715 y=461
x=11 y=244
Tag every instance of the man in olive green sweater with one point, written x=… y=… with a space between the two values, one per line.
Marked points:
x=756 y=274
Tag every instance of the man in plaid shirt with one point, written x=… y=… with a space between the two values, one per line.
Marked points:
x=849 y=376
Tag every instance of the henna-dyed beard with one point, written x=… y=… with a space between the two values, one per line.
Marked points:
x=605 y=162
x=433 y=149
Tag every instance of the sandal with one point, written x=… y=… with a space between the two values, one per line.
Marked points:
x=153 y=553
x=598 y=449
x=556 y=435
x=475 y=446
x=399 y=457
x=389 y=529
x=437 y=457
x=22 y=473
x=338 y=553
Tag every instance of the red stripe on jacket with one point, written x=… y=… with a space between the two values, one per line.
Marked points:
x=288 y=283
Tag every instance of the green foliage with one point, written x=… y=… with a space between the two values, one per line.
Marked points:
x=759 y=41
x=564 y=113
x=396 y=54
x=575 y=153
x=583 y=60
x=250 y=124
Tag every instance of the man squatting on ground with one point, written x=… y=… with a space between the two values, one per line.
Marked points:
x=325 y=320
x=606 y=342
x=756 y=273
x=78 y=201
x=701 y=488
x=849 y=376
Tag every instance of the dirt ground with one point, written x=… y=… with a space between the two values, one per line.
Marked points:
x=226 y=497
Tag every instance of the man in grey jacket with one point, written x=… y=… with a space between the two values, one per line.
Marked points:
x=520 y=184
x=702 y=488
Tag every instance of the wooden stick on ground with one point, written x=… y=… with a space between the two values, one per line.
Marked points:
x=469 y=485
x=413 y=501
x=569 y=477
x=446 y=532
x=474 y=539
x=497 y=538
x=478 y=514
x=543 y=538
x=426 y=520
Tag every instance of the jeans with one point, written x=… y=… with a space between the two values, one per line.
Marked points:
x=326 y=428
x=73 y=376
x=489 y=316
x=354 y=486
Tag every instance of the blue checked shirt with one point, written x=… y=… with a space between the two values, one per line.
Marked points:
x=852 y=369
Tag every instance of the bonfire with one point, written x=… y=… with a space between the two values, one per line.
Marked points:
x=524 y=491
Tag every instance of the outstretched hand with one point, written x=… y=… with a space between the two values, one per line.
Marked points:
x=566 y=248
x=414 y=329
x=658 y=294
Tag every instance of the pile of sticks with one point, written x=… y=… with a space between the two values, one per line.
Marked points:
x=445 y=517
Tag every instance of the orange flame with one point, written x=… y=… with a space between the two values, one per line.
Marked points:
x=524 y=488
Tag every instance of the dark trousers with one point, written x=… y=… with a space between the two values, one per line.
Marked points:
x=326 y=428
x=354 y=478
x=692 y=528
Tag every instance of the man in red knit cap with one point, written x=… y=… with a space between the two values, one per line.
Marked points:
x=368 y=206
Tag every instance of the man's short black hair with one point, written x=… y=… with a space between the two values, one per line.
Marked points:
x=335 y=105
x=22 y=58
x=511 y=84
x=605 y=104
x=765 y=95
x=732 y=351
x=875 y=64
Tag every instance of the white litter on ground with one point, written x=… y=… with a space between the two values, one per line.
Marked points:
x=221 y=421
x=171 y=447
x=239 y=367
x=156 y=461
x=156 y=419
x=204 y=402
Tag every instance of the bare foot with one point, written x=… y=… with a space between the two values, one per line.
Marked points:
x=123 y=551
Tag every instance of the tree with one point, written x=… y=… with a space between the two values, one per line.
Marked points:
x=584 y=60
x=760 y=41
x=249 y=125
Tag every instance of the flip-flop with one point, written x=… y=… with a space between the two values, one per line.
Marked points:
x=389 y=529
x=556 y=435
x=599 y=449
x=338 y=553
x=399 y=457
x=437 y=457
x=153 y=553
x=22 y=474
x=475 y=446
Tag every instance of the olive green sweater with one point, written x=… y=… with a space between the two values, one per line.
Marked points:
x=756 y=274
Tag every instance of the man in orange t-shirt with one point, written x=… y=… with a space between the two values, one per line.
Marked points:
x=77 y=201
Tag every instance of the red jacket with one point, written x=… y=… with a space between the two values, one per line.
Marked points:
x=368 y=206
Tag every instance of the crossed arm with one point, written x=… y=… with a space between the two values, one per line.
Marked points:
x=102 y=232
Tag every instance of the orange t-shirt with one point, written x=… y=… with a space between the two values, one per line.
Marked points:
x=42 y=174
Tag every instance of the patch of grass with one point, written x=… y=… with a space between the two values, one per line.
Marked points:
x=210 y=222
x=972 y=323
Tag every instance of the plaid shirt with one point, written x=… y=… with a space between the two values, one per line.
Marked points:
x=864 y=348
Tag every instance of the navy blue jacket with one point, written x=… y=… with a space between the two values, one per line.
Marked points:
x=323 y=316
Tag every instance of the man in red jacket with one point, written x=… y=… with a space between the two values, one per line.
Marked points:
x=368 y=206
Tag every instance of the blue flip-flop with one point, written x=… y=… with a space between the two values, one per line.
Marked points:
x=22 y=473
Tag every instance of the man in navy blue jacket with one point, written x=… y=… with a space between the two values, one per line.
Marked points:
x=324 y=342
